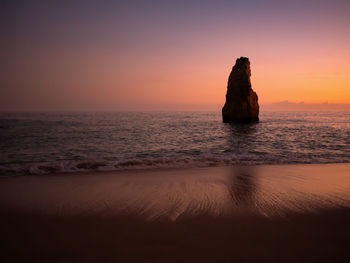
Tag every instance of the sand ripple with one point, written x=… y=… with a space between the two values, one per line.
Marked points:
x=267 y=190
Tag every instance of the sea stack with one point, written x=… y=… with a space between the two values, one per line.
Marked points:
x=241 y=101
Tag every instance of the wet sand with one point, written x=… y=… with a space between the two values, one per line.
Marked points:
x=277 y=213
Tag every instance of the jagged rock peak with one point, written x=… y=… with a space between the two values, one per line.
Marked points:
x=241 y=101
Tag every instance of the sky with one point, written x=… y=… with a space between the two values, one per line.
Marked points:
x=170 y=55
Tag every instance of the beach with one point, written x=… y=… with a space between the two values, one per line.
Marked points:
x=175 y=131
x=265 y=213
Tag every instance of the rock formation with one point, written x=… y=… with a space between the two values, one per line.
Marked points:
x=241 y=101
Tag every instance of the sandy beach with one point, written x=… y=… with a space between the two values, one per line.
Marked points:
x=267 y=213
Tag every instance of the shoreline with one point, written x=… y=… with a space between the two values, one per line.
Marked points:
x=88 y=167
x=161 y=168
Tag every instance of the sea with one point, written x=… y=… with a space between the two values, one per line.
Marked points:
x=57 y=143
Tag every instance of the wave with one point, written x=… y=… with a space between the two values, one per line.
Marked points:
x=153 y=163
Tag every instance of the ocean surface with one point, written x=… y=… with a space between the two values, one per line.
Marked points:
x=43 y=143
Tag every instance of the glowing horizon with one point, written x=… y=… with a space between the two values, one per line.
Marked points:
x=164 y=55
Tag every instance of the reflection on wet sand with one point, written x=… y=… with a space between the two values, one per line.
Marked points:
x=177 y=193
x=242 y=186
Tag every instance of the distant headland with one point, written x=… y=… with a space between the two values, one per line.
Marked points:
x=302 y=106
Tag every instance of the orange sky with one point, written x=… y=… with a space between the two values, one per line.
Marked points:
x=179 y=57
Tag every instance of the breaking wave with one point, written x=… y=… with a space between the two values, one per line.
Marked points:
x=42 y=168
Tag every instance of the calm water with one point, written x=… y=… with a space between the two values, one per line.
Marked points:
x=61 y=142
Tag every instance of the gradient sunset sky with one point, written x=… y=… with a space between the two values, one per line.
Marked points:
x=161 y=54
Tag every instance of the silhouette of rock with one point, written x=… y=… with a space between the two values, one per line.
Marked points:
x=241 y=101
